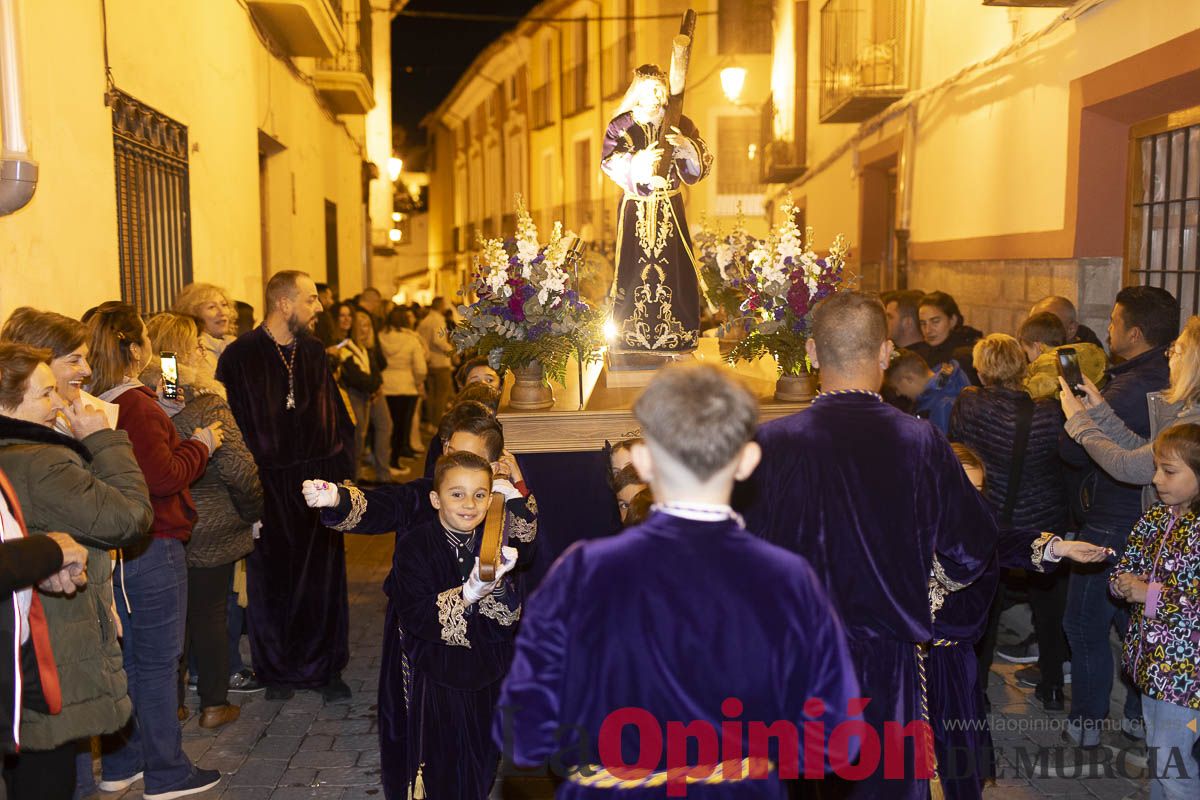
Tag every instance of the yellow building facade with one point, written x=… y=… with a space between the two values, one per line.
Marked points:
x=529 y=117
x=994 y=150
x=231 y=143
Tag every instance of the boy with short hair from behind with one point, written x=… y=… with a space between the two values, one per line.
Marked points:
x=624 y=621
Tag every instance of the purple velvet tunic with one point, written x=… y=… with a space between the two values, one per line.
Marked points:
x=868 y=495
x=296 y=574
x=437 y=687
x=672 y=617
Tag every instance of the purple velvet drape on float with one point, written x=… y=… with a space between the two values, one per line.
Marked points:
x=868 y=495
x=296 y=575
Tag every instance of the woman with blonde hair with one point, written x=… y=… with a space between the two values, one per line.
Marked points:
x=217 y=313
x=1122 y=453
x=1017 y=439
x=361 y=372
x=228 y=500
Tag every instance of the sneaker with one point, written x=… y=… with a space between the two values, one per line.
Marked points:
x=1025 y=652
x=1076 y=734
x=336 y=691
x=201 y=781
x=1029 y=677
x=191 y=683
x=244 y=681
x=121 y=784
x=1066 y=673
x=1133 y=729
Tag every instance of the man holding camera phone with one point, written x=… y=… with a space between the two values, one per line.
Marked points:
x=1144 y=321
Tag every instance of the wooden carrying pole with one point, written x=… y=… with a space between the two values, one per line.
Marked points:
x=493 y=539
x=681 y=52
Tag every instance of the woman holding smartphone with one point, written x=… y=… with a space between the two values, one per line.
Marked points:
x=1120 y=452
x=151 y=578
x=228 y=499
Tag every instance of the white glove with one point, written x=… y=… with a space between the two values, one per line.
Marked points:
x=475 y=589
x=504 y=486
x=319 y=494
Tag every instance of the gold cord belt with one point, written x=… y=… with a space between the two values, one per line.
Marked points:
x=600 y=778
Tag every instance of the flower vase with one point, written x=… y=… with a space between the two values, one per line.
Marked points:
x=796 y=388
x=530 y=391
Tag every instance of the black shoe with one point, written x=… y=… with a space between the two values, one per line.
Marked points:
x=406 y=454
x=336 y=691
x=1051 y=697
x=279 y=693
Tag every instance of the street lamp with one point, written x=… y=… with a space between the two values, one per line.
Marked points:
x=394 y=167
x=732 y=81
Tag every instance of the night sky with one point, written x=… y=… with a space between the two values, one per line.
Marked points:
x=429 y=55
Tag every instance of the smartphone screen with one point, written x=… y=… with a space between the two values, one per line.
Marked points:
x=170 y=373
x=1068 y=367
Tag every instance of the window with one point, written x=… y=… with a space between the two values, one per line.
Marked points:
x=154 y=230
x=862 y=58
x=1164 y=212
x=744 y=26
x=737 y=145
x=331 y=243
x=575 y=86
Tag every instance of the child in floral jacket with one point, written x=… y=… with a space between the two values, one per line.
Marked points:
x=1160 y=575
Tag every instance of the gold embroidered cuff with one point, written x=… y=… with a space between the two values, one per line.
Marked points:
x=939 y=575
x=1038 y=550
x=452 y=616
x=358 y=507
x=493 y=608
x=520 y=529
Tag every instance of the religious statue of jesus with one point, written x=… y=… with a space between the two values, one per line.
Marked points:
x=656 y=294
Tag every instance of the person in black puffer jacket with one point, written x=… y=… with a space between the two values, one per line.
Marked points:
x=985 y=419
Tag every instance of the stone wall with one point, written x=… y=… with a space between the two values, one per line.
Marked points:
x=995 y=296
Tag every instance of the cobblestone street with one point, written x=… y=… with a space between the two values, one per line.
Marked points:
x=304 y=748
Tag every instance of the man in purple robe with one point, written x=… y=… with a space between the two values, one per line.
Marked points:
x=685 y=629
x=295 y=423
x=878 y=504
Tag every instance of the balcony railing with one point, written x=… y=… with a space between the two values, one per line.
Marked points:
x=618 y=66
x=575 y=90
x=862 y=58
x=345 y=80
x=540 y=105
x=780 y=161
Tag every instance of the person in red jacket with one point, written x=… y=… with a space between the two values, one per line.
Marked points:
x=151 y=581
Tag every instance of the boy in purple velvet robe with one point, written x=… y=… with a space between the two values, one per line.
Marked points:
x=403 y=508
x=876 y=502
x=684 y=620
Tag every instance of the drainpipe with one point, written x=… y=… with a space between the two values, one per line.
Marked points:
x=18 y=171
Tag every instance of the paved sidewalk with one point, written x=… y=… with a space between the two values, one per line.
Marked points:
x=304 y=748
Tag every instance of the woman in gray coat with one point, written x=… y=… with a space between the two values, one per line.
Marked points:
x=1120 y=452
x=228 y=502
x=89 y=486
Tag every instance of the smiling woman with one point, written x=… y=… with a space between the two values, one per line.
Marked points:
x=65 y=338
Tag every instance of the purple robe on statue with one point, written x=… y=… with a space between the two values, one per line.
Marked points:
x=671 y=617
x=436 y=696
x=656 y=295
x=296 y=574
x=869 y=495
